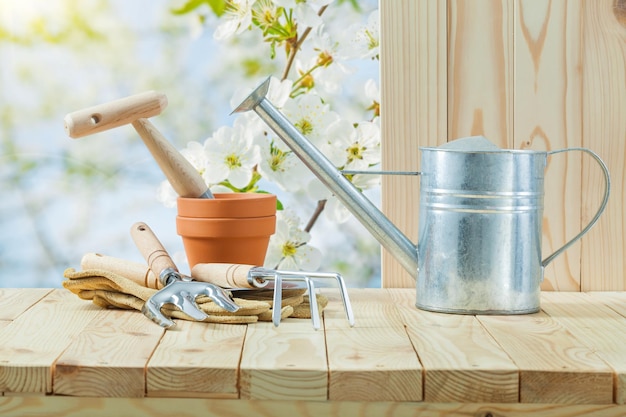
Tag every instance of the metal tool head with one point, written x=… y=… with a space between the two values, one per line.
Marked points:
x=254 y=98
x=183 y=294
x=277 y=279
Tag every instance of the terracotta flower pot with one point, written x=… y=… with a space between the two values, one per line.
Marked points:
x=230 y=228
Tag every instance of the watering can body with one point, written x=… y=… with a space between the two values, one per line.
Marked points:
x=479 y=239
x=480 y=226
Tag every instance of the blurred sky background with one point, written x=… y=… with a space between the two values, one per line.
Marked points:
x=61 y=198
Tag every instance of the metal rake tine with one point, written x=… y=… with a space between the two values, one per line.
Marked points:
x=340 y=282
x=343 y=290
x=187 y=304
x=152 y=310
x=278 y=299
x=310 y=284
x=315 y=314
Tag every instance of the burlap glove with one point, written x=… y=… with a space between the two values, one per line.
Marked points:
x=111 y=290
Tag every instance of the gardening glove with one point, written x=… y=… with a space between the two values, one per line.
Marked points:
x=111 y=290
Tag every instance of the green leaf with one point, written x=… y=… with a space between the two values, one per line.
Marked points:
x=354 y=3
x=217 y=6
x=188 y=7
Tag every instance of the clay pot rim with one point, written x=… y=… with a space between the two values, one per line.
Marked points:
x=237 y=205
x=191 y=227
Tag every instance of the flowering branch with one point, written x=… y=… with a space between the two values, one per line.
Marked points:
x=296 y=45
x=238 y=158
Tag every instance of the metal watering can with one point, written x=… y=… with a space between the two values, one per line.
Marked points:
x=480 y=224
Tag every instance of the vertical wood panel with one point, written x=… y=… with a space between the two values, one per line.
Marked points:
x=547 y=116
x=604 y=130
x=413 y=98
x=539 y=74
x=480 y=70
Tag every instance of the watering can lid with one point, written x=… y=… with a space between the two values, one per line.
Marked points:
x=470 y=144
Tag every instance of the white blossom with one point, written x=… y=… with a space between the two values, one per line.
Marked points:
x=282 y=167
x=310 y=116
x=363 y=41
x=166 y=194
x=305 y=12
x=288 y=248
x=237 y=18
x=372 y=92
x=231 y=155
x=325 y=57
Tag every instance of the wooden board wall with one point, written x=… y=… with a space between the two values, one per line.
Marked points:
x=527 y=74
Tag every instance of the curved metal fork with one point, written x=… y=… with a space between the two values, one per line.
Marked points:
x=182 y=294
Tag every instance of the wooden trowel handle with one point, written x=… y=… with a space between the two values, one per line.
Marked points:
x=114 y=113
x=151 y=248
x=224 y=275
x=135 y=271
x=185 y=179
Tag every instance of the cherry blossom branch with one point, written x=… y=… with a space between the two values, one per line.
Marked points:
x=318 y=210
x=295 y=46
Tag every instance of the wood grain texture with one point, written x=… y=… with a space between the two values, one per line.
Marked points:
x=480 y=70
x=615 y=300
x=548 y=116
x=555 y=367
x=166 y=407
x=115 y=113
x=597 y=326
x=532 y=74
x=197 y=360
x=604 y=130
x=374 y=360
x=30 y=345
x=413 y=71
x=14 y=301
x=272 y=367
x=462 y=362
x=108 y=357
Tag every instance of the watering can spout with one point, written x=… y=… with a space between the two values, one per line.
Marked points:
x=381 y=228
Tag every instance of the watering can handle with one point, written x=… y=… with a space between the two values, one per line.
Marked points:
x=607 y=190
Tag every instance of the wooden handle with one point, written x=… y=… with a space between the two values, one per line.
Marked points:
x=137 y=272
x=224 y=275
x=151 y=248
x=185 y=179
x=114 y=113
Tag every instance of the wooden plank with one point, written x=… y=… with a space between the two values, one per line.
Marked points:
x=604 y=131
x=108 y=358
x=374 y=360
x=597 y=326
x=35 y=339
x=462 y=362
x=413 y=68
x=480 y=70
x=615 y=300
x=548 y=116
x=14 y=301
x=197 y=360
x=555 y=367
x=284 y=362
x=58 y=406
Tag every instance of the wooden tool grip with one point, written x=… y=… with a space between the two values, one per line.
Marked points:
x=151 y=248
x=137 y=272
x=224 y=275
x=114 y=113
x=185 y=179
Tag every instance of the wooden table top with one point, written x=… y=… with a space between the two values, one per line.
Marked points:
x=573 y=352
